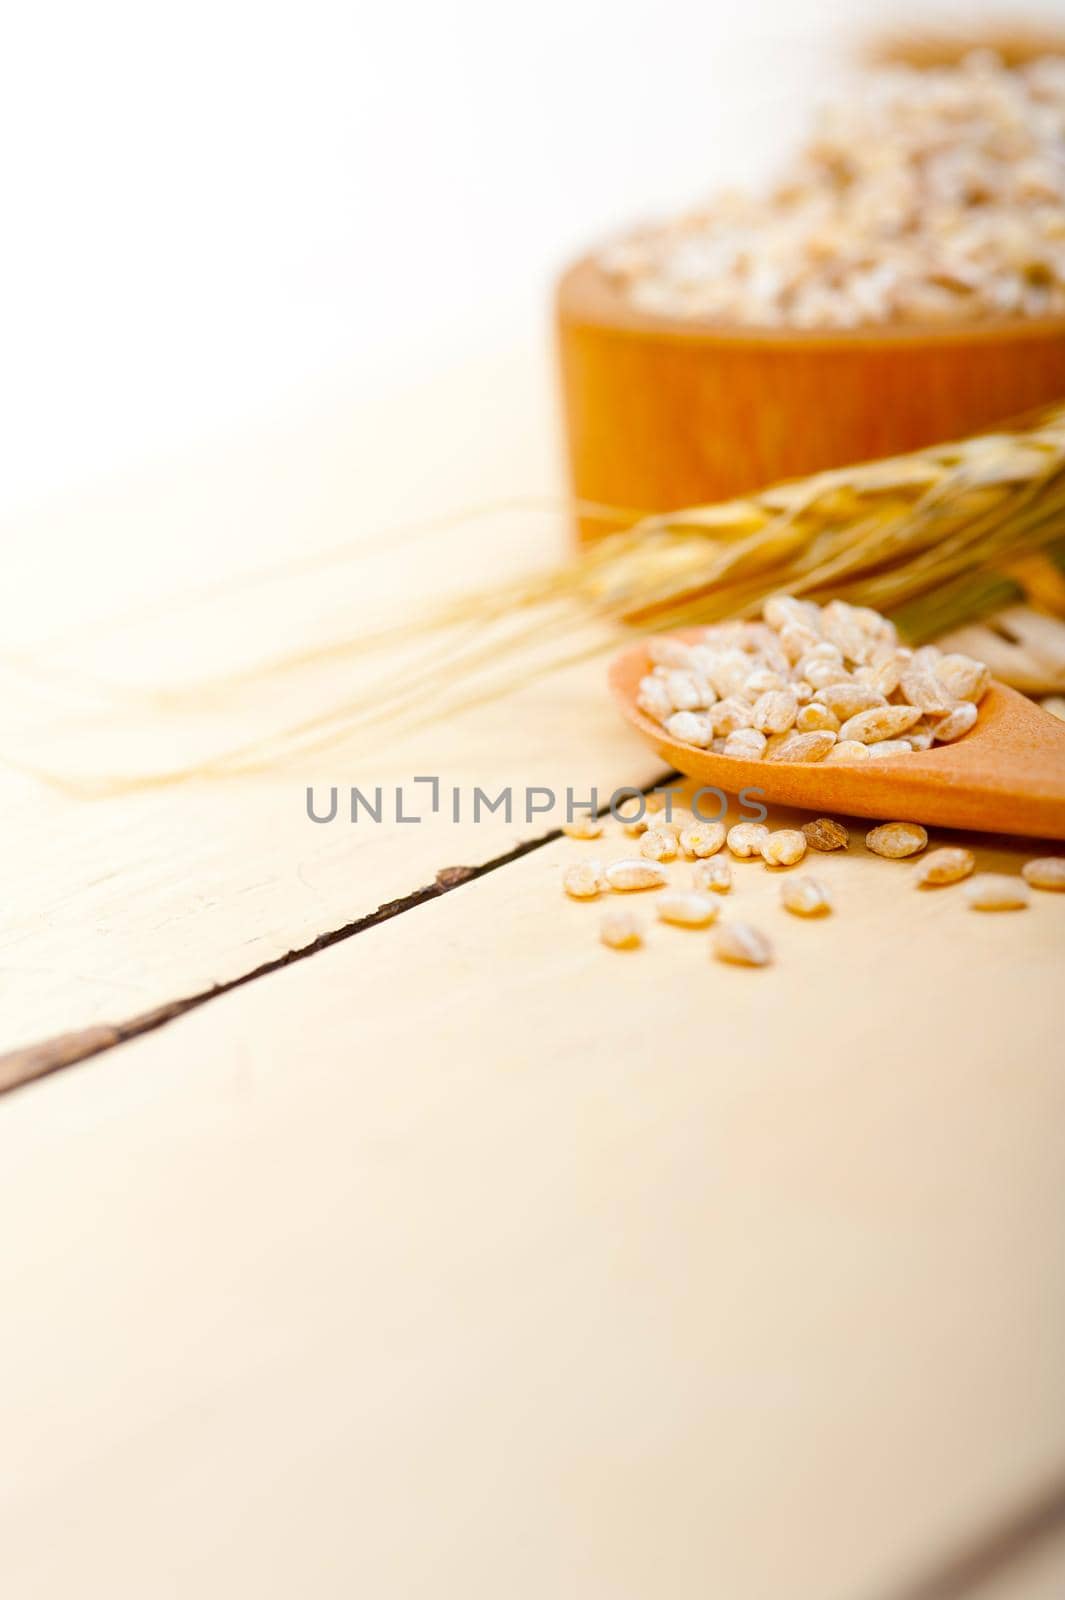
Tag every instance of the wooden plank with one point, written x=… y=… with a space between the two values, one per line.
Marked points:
x=117 y=906
x=469 y=1257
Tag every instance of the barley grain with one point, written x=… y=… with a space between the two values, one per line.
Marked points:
x=585 y=826
x=824 y=833
x=847 y=699
x=884 y=749
x=740 y=944
x=583 y=880
x=659 y=844
x=803 y=747
x=690 y=727
x=964 y=678
x=949 y=865
x=686 y=908
x=897 y=839
x=994 y=891
x=880 y=722
x=848 y=750
x=806 y=897
x=702 y=839
x=744 y=839
x=715 y=875
x=783 y=847
x=1045 y=872
x=921 y=686
x=955 y=723
x=814 y=718
x=633 y=873
x=746 y=744
x=620 y=930
x=774 y=712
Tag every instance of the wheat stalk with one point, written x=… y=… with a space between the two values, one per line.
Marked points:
x=931 y=538
x=925 y=537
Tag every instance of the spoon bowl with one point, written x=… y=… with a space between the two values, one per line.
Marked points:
x=1006 y=776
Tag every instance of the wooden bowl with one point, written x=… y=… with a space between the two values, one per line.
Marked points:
x=662 y=414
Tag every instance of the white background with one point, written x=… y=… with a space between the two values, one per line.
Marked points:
x=209 y=207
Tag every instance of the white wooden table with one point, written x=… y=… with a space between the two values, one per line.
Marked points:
x=463 y=1257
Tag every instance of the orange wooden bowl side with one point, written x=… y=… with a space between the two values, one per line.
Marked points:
x=664 y=414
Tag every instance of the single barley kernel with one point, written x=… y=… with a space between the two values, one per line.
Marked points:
x=666 y=652
x=994 y=891
x=814 y=718
x=805 y=896
x=685 y=691
x=821 y=652
x=797 y=641
x=841 y=625
x=715 y=875
x=585 y=826
x=783 y=847
x=922 y=688
x=824 y=833
x=690 y=727
x=822 y=674
x=702 y=839
x=955 y=723
x=687 y=908
x=653 y=699
x=848 y=750
x=886 y=748
x=632 y=814
x=583 y=880
x=746 y=744
x=919 y=737
x=744 y=839
x=847 y=699
x=659 y=844
x=948 y=865
x=635 y=874
x=762 y=681
x=897 y=839
x=785 y=610
x=963 y=677
x=1046 y=872
x=730 y=714
x=774 y=712
x=880 y=722
x=620 y=930
x=741 y=944
x=728 y=671
x=886 y=676
x=803 y=747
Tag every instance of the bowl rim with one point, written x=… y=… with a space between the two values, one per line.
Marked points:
x=587 y=297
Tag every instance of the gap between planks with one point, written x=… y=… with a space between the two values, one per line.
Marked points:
x=996 y=1552
x=31 y=1062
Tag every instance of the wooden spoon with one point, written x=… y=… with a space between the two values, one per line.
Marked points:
x=1006 y=776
